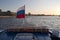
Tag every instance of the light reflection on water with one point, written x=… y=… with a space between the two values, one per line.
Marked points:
x=49 y=21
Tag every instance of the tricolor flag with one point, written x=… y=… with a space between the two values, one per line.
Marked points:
x=21 y=12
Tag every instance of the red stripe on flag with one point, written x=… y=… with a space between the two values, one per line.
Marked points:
x=20 y=16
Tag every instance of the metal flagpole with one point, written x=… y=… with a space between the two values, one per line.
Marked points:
x=24 y=19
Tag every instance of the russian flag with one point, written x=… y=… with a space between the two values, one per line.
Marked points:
x=21 y=12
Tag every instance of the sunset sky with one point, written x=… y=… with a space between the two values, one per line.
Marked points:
x=48 y=7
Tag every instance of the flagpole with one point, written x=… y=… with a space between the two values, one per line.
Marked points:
x=24 y=19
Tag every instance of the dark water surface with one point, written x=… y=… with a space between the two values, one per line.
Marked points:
x=50 y=21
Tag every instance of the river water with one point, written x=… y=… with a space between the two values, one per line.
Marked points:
x=34 y=21
x=49 y=21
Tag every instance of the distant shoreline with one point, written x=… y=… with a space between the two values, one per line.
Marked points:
x=5 y=16
x=27 y=15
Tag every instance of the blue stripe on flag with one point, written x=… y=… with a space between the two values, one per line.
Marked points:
x=21 y=12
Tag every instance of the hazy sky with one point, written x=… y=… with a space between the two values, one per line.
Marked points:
x=33 y=6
